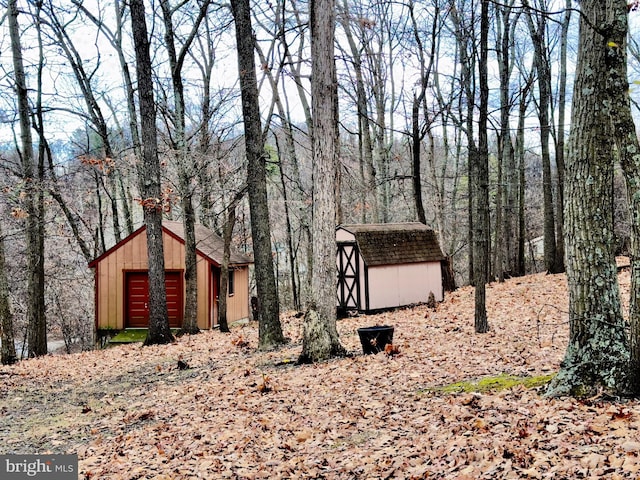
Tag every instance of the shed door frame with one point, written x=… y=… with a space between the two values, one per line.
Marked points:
x=175 y=298
x=348 y=257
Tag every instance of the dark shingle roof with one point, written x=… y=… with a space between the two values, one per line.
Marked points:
x=395 y=243
x=208 y=243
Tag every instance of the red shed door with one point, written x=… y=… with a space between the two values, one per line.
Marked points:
x=137 y=298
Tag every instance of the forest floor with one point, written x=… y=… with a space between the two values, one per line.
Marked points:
x=129 y=412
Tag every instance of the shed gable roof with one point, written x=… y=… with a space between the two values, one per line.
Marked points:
x=395 y=243
x=208 y=244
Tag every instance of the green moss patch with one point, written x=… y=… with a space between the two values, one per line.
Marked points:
x=491 y=384
x=132 y=335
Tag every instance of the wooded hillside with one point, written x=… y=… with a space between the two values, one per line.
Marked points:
x=130 y=412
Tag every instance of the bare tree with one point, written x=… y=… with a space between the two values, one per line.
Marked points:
x=150 y=187
x=184 y=163
x=320 y=334
x=597 y=355
x=628 y=148
x=506 y=22
x=537 y=23
x=270 y=330
x=85 y=82
x=480 y=181
x=37 y=325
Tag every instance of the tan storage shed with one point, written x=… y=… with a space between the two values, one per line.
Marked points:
x=387 y=265
x=121 y=280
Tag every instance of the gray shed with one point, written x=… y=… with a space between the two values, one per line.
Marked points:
x=387 y=265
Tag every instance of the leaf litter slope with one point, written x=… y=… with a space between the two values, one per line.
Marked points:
x=131 y=413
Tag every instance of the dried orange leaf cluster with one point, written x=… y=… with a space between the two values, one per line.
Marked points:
x=239 y=413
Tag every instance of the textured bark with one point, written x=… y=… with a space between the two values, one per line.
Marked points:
x=8 y=349
x=481 y=184
x=150 y=187
x=597 y=355
x=37 y=327
x=270 y=330
x=320 y=335
x=628 y=148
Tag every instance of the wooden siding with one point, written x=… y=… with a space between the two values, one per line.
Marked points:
x=238 y=303
x=397 y=285
x=131 y=255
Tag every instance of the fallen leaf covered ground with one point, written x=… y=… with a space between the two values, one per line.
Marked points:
x=132 y=413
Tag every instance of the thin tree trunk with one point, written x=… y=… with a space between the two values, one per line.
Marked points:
x=293 y=195
x=520 y=155
x=270 y=330
x=560 y=141
x=481 y=183
x=538 y=36
x=227 y=236
x=181 y=152
x=416 y=142
x=290 y=246
x=365 y=143
x=37 y=329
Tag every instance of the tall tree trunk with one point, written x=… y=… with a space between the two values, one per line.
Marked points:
x=520 y=154
x=506 y=164
x=365 y=143
x=537 y=32
x=320 y=334
x=597 y=354
x=560 y=140
x=183 y=162
x=464 y=36
x=38 y=205
x=293 y=271
x=150 y=185
x=416 y=142
x=419 y=132
x=295 y=195
x=628 y=148
x=481 y=183
x=8 y=348
x=270 y=330
x=37 y=328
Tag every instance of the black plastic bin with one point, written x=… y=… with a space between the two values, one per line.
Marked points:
x=374 y=339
